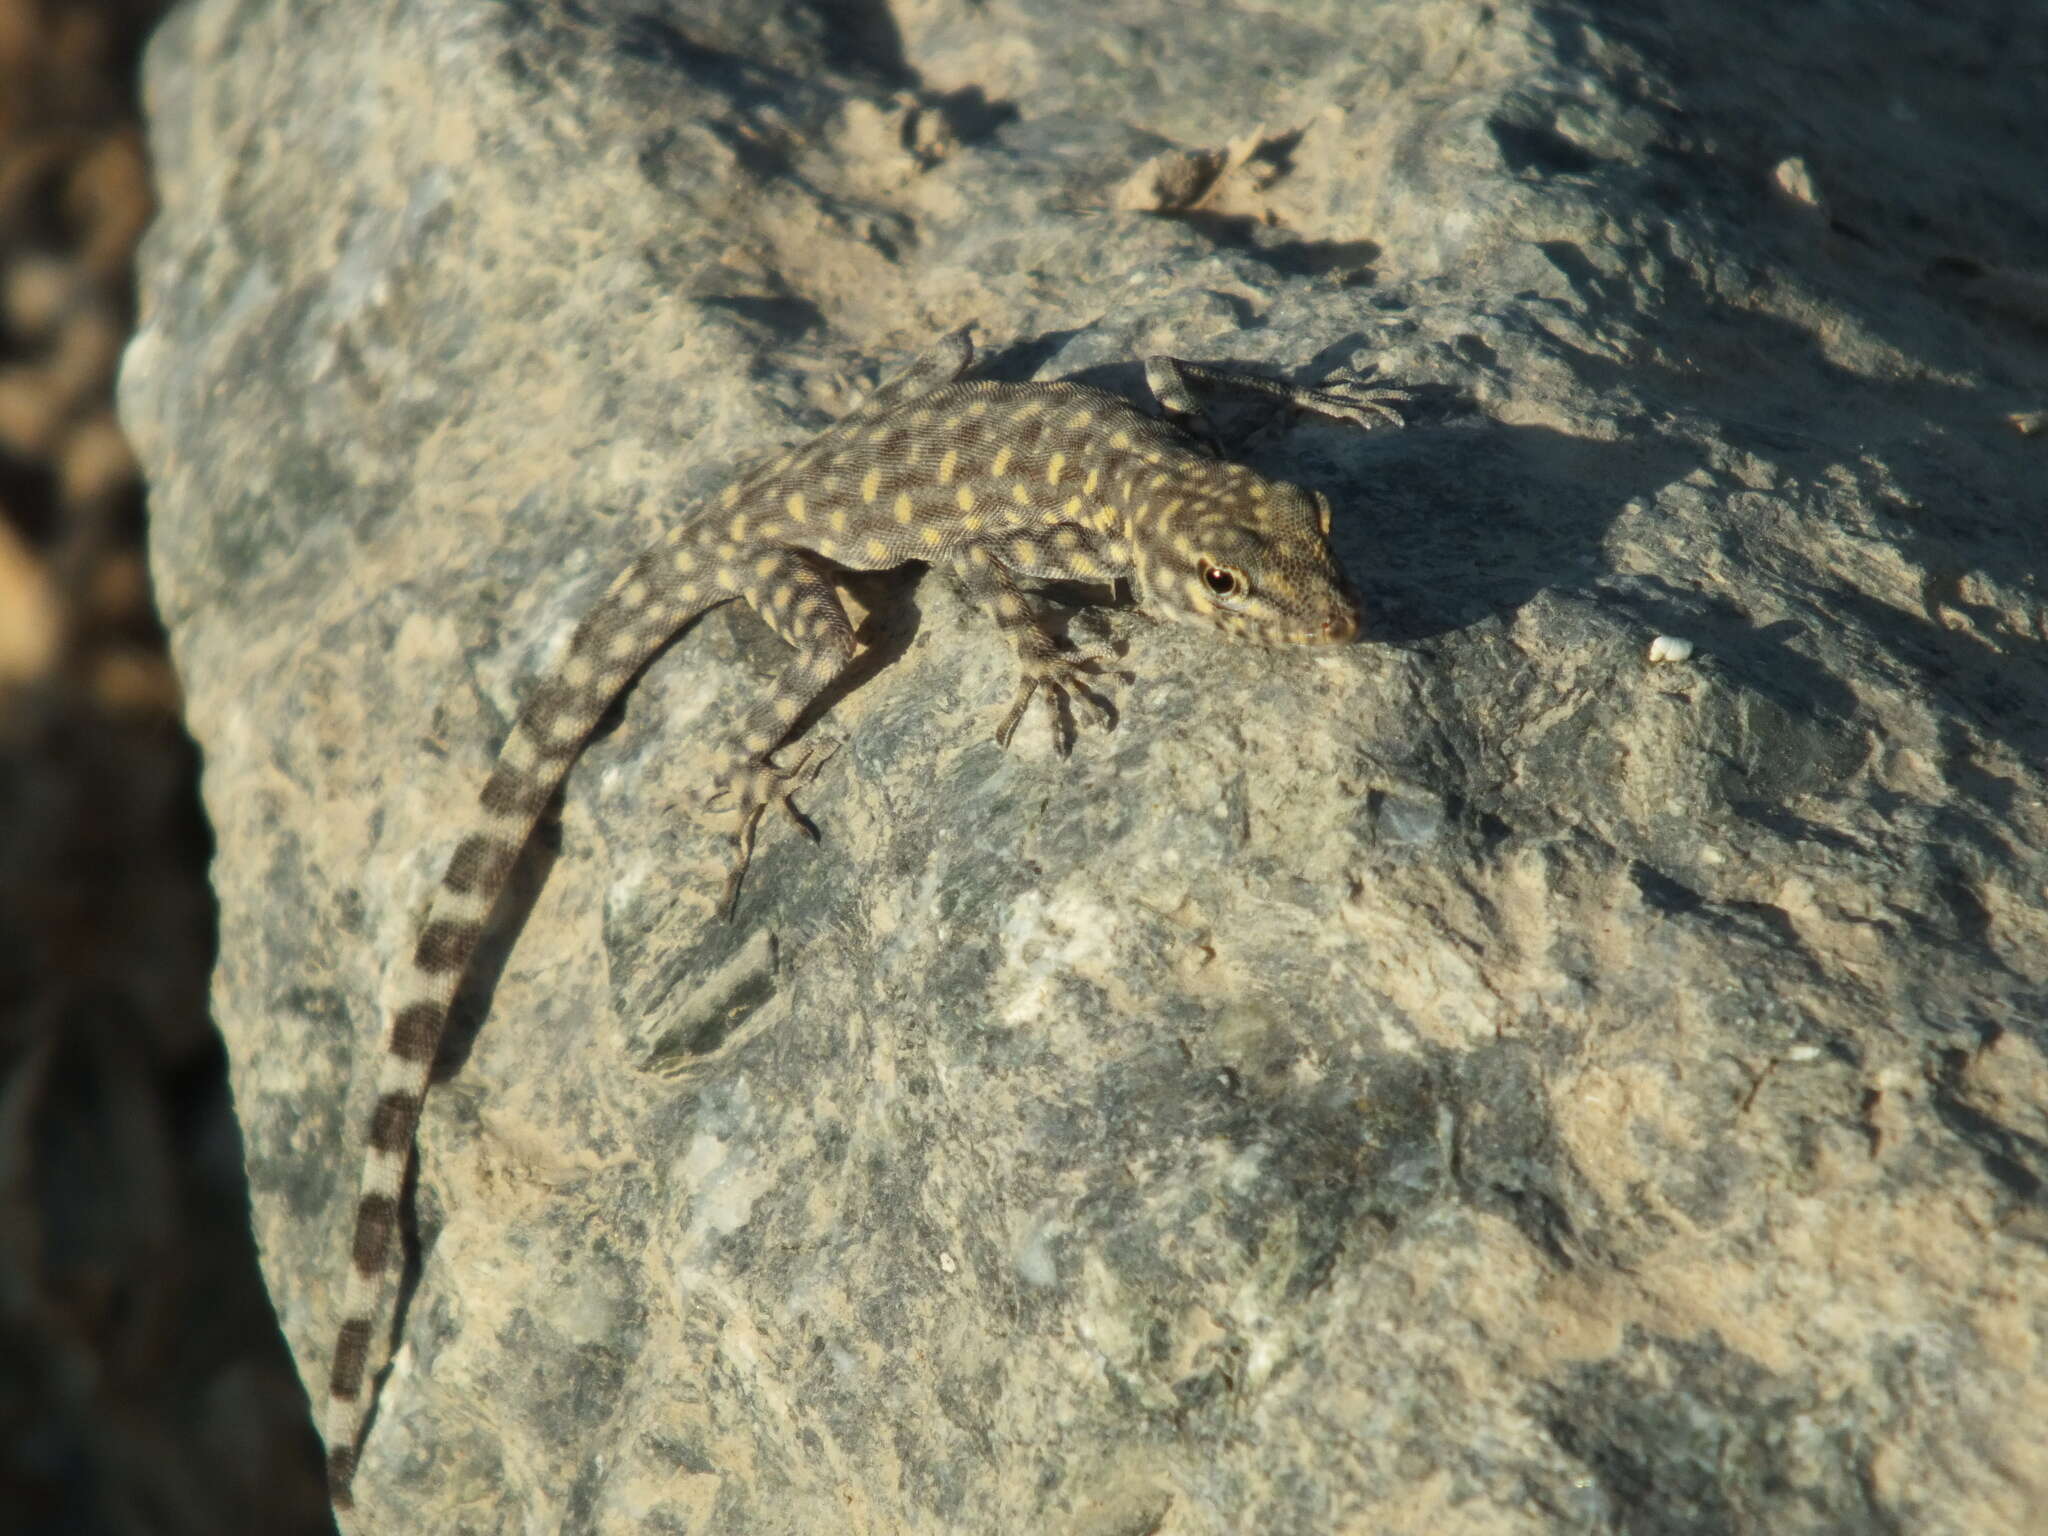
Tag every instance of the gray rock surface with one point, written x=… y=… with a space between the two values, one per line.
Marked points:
x=1482 y=1081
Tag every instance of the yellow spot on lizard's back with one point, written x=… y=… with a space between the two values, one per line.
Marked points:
x=1121 y=441
x=1072 y=508
x=949 y=462
x=1080 y=419
x=1002 y=461
x=1020 y=493
x=1094 y=479
x=1053 y=468
x=765 y=566
x=839 y=520
x=904 y=510
x=930 y=534
x=964 y=498
x=795 y=506
x=877 y=550
x=871 y=486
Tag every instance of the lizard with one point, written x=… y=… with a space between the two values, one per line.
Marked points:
x=996 y=482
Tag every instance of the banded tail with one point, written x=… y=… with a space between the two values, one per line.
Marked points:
x=643 y=609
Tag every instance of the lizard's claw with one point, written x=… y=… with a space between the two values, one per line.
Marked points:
x=1355 y=396
x=1063 y=677
x=757 y=783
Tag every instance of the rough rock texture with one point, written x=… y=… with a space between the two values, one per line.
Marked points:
x=1482 y=1081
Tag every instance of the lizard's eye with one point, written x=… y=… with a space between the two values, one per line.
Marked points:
x=1222 y=581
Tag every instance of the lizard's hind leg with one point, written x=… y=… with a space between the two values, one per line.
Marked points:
x=795 y=597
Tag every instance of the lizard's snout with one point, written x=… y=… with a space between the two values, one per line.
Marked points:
x=1340 y=627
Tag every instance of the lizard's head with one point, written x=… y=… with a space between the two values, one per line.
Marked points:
x=1253 y=561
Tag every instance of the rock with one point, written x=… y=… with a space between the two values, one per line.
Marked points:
x=1475 y=1081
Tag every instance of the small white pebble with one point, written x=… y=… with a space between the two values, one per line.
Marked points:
x=1794 y=178
x=1670 y=648
x=1802 y=1053
x=946 y=1264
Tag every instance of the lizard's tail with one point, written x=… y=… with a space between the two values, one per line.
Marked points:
x=642 y=611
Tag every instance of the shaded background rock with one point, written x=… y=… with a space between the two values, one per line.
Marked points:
x=1480 y=1081
x=144 y=1386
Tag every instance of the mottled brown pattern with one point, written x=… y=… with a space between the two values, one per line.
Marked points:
x=1001 y=484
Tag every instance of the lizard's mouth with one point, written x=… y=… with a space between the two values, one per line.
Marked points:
x=1337 y=628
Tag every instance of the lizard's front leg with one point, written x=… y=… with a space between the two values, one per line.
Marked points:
x=984 y=569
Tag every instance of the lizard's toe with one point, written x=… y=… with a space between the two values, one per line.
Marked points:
x=755 y=783
x=1062 y=678
x=1358 y=397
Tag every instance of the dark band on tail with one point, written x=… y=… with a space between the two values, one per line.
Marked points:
x=416 y=1031
x=480 y=863
x=508 y=792
x=445 y=945
x=392 y=1122
x=351 y=1353
x=341 y=1472
x=376 y=1217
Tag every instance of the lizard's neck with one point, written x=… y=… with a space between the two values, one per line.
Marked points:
x=1160 y=498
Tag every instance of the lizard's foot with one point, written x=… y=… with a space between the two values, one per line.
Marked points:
x=1355 y=397
x=755 y=783
x=1063 y=677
